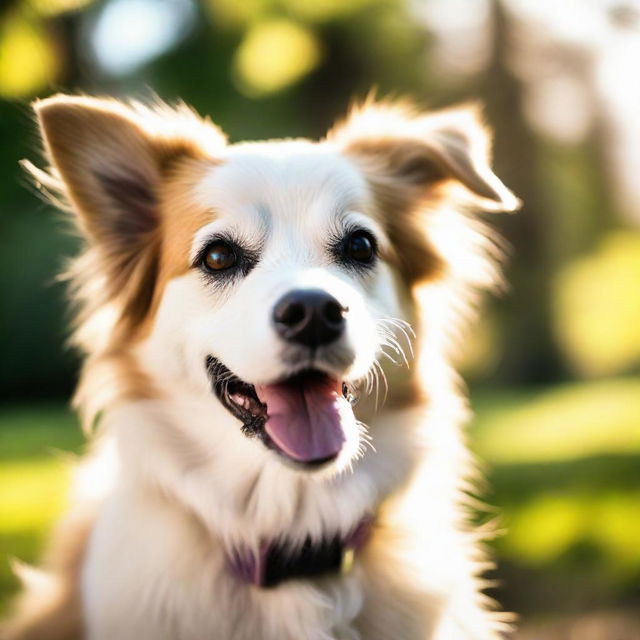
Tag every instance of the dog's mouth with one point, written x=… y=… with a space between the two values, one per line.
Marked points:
x=302 y=417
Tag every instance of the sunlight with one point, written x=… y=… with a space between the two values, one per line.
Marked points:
x=275 y=54
x=543 y=529
x=55 y=7
x=596 y=307
x=130 y=33
x=27 y=59
x=34 y=492
x=232 y=13
x=463 y=34
x=565 y=423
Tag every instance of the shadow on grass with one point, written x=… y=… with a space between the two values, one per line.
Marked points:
x=592 y=475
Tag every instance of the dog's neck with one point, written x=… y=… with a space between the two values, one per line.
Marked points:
x=277 y=561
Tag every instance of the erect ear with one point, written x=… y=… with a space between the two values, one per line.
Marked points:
x=108 y=160
x=401 y=149
x=112 y=157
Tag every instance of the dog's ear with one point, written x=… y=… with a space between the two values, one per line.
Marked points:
x=111 y=159
x=414 y=161
x=108 y=161
x=405 y=151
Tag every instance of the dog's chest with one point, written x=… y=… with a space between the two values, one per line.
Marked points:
x=170 y=577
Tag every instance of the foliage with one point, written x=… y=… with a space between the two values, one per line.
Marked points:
x=597 y=311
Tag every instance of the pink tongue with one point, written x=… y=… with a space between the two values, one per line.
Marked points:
x=305 y=419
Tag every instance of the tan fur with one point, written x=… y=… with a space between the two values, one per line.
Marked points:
x=422 y=171
x=181 y=218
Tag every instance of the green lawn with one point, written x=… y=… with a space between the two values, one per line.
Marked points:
x=35 y=446
x=564 y=472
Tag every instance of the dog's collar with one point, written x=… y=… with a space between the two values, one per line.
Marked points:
x=276 y=562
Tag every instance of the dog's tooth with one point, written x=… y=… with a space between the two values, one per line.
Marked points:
x=238 y=398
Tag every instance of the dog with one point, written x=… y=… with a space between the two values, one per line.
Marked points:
x=268 y=331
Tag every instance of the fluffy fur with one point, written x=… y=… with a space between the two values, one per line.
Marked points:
x=170 y=483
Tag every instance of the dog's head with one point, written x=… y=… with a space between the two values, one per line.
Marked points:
x=269 y=276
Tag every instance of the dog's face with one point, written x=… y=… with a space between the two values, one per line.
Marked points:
x=272 y=277
x=286 y=300
x=289 y=300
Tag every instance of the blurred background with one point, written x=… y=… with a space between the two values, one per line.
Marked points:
x=554 y=367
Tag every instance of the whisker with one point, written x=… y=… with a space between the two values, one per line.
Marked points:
x=380 y=374
x=365 y=436
x=377 y=382
x=368 y=382
x=364 y=442
x=389 y=338
x=388 y=356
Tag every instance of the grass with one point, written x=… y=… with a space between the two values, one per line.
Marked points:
x=565 y=467
x=567 y=422
x=35 y=431
x=564 y=471
x=35 y=442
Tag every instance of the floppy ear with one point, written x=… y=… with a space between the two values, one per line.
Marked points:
x=109 y=160
x=404 y=150
x=411 y=160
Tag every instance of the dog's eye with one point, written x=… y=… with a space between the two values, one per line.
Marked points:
x=219 y=256
x=360 y=246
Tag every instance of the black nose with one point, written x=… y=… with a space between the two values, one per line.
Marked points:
x=310 y=317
